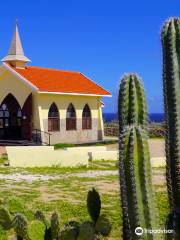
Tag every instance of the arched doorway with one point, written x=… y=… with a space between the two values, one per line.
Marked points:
x=10 y=118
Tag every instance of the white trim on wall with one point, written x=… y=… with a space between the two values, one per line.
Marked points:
x=74 y=94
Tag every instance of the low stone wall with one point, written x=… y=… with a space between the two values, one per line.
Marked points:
x=104 y=155
x=87 y=149
x=44 y=156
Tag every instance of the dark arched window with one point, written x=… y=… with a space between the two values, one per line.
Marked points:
x=53 y=118
x=4 y=116
x=71 y=118
x=19 y=117
x=86 y=118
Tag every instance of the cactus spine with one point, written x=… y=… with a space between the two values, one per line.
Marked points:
x=134 y=161
x=171 y=86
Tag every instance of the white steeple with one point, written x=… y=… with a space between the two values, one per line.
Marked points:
x=16 y=55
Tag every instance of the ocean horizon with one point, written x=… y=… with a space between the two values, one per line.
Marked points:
x=153 y=117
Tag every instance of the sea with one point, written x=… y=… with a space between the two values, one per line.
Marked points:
x=153 y=117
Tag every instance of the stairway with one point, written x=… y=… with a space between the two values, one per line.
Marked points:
x=17 y=143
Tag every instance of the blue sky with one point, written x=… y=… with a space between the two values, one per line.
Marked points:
x=101 y=38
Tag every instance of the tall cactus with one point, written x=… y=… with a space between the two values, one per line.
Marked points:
x=135 y=169
x=171 y=85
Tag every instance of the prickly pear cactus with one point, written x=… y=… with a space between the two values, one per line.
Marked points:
x=93 y=204
x=40 y=217
x=75 y=226
x=36 y=230
x=68 y=233
x=137 y=199
x=103 y=225
x=54 y=225
x=20 y=225
x=86 y=231
x=5 y=218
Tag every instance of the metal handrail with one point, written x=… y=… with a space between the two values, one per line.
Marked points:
x=40 y=131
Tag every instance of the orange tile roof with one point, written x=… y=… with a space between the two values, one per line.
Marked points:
x=53 y=80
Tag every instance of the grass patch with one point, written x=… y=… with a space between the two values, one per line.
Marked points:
x=68 y=195
x=93 y=165
x=3 y=159
x=66 y=145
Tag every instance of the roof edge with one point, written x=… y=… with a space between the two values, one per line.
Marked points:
x=96 y=83
x=24 y=80
x=75 y=94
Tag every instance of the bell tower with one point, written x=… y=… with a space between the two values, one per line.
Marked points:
x=15 y=56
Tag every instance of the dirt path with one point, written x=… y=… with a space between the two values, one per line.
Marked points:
x=158 y=177
x=156 y=147
x=18 y=177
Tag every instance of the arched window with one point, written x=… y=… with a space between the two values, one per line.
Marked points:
x=71 y=118
x=4 y=116
x=19 y=117
x=53 y=118
x=86 y=118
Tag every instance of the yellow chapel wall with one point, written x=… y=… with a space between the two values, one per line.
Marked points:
x=62 y=101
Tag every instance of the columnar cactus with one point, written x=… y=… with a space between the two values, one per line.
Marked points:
x=134 y=161
x=132 y=103
x=171 y=85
